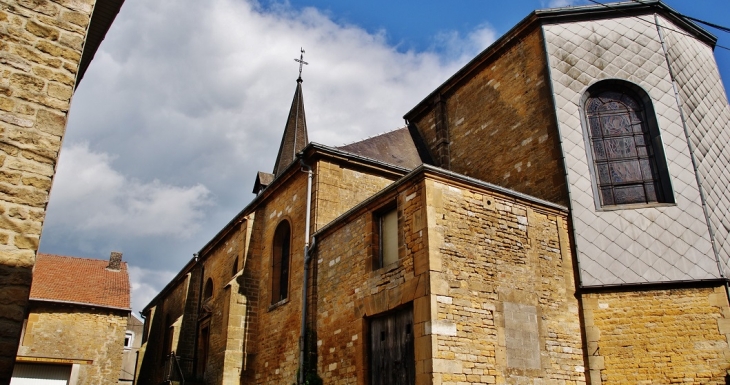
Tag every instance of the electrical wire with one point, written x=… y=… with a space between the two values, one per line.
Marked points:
x=654 y=24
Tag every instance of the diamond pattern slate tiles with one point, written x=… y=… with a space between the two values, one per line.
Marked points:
x=708 y=121
x=647 y=244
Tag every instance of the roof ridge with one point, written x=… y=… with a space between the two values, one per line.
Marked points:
x=372 y=136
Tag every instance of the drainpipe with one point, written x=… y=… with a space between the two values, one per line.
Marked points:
x=303 y=331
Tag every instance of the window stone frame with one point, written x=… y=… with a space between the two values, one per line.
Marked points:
x=642 y=97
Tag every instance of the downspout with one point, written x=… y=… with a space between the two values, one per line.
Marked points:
x=303 y=331
x=695 y=167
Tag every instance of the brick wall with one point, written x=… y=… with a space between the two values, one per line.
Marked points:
x=500 y=123
x=40 y=49
x=658 y=336
x=79 y=333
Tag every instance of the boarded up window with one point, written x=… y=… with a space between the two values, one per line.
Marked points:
x=521 y=336
x=392 y=359
x=386 y=237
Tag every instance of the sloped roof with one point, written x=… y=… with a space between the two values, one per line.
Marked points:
x=394 y=147
x=82 y=281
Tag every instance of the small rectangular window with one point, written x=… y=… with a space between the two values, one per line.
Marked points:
x=386 y=237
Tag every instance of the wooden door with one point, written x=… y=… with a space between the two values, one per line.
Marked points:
x=392 y=360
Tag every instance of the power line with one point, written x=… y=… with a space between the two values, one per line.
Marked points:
x=707 y=23
x=653 y=23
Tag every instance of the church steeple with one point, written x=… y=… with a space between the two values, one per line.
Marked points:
x=295 y=133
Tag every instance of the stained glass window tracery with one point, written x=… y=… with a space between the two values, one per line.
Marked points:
x=623 y=154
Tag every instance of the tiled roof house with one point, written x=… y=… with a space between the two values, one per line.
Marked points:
x=76 y=321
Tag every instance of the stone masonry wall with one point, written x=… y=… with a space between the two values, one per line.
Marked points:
x=225 y=349
x=502 y=277
x=339 y=189
x=168 y=311
x=79 y=333
x=276 y=351
x=490 y=280
x=658 y=336
x=501 y=125
x=350 y=290
x=40 y=48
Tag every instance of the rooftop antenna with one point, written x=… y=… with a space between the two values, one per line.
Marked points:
x=301 y=63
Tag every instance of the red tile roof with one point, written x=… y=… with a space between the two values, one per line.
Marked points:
x=80 y=280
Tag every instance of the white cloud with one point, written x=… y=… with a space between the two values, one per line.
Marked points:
x=145 y=284
x=186 y=100
x=93 y=197
x=562 y=3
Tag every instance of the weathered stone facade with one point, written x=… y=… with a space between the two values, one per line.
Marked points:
x=502 y=109
x=469 y=256
x=93 y=339
x=658 y=336
x=41 y=50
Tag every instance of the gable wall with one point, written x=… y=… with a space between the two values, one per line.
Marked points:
x=338 y=188
x=501 y=124
x=77 y=333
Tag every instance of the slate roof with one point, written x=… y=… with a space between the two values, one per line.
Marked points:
x=394 y=147
x=82 y=281
x=295 y=133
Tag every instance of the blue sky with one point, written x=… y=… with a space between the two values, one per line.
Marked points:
x=186 y=100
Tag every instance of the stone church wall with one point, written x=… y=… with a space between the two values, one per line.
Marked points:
x=472 y=263
x=339 y=189
x=276 y=347
x=349 y=290
x=77 y=333
x=649 y=243
x=500 y=123
x=505 y=309
x=40 y=49
x=169 y=311
x=226 y=337
x=658 y=336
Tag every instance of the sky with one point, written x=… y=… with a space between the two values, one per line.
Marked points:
x=186 y=100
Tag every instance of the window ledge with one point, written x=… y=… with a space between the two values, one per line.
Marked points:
x=278 y=304
x=634 y=206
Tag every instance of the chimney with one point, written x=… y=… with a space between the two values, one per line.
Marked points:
x=115 y=261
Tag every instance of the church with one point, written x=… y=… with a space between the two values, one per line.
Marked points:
x=556 y=212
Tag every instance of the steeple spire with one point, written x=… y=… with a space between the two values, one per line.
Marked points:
x=295 y=133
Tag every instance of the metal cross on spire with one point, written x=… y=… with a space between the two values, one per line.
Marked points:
x=301 y=63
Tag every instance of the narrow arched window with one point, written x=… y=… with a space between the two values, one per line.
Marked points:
x=208 y=291
x=625 y=146
x=234 y=270
x=280 y=267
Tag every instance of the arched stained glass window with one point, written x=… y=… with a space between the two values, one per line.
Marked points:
x=626 y=148
x=280 y=268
